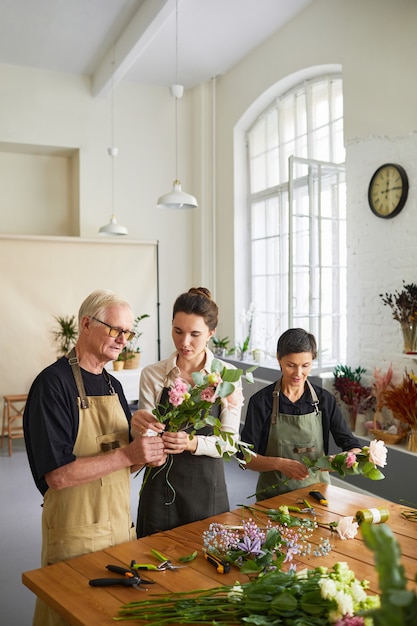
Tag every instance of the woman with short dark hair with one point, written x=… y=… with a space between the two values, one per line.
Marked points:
x=293 y=418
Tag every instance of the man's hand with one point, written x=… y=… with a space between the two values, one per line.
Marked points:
x=146 y=451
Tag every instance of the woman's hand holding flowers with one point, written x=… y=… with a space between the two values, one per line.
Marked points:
x=177 y=442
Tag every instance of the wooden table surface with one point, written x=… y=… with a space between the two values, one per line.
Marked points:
x=64 y=586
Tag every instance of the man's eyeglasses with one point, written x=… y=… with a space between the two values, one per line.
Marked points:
x=116 y=332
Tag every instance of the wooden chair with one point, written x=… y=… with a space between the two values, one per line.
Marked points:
x=13 y=418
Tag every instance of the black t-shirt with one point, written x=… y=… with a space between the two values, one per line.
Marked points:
x=51 y=416
x=258 y=418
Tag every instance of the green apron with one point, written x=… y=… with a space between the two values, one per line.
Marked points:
x=292 y=437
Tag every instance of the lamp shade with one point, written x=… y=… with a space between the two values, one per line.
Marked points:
x=113 y=228
x=177 y=199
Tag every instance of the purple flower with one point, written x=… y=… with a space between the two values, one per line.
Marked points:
x=251 y=546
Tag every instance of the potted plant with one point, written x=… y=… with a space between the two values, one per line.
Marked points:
x=220 y=345
x=119 y=363
x=65 y=334
x=130 y=354
x=351 y=392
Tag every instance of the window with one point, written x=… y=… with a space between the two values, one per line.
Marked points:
x=297 y=218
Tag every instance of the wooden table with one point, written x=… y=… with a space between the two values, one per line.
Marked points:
x=64 y=586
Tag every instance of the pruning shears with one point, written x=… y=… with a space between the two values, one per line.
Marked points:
x=308 y=508
x=221 y=566
x=130 y=578
x=164 y=565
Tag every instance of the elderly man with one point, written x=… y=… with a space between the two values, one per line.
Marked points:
x=76 y=425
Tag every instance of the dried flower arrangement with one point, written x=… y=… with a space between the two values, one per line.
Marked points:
x=356 y=397
x=402 y=401
x=403 y=305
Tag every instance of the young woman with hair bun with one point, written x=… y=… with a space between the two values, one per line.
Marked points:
x=197 y=471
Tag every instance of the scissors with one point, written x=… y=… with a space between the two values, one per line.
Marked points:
x=308 y=508
x=156 y=568
x=130 y=578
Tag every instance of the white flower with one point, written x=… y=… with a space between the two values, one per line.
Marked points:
x=347 y=528
x=235 y=595
x=357 y=592
x=344 y=606
x=327 y=588
x=378 y=453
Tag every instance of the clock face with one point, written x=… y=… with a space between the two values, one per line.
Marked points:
x=388 y=190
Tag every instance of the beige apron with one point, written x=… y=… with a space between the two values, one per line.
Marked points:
x=86 y=518
x=292 y=437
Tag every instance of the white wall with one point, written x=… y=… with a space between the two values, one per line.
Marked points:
x=375 y=43
x=45 y=108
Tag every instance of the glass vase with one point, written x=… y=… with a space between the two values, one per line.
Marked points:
x=409 y=331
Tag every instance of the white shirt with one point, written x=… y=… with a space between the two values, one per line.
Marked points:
x=163 y=374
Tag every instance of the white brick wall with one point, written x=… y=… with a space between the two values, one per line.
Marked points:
x=381 y=254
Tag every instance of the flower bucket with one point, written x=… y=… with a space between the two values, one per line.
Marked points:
x=118 y=365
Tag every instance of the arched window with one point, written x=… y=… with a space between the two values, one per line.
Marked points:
x=296 y=222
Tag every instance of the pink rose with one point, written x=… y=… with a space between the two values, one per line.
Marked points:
x=378 y=453
x=209 y=394
x=180 y=386
x=175 y=398
x=347 y=528
x=350 y=459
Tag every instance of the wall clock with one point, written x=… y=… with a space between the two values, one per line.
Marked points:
x=388 y=190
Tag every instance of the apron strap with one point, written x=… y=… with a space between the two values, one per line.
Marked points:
x=275 y=396
x=76 y=370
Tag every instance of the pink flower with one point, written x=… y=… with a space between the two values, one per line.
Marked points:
x=175 y=398
x=180 y=386
x=209 y=394
x=350 y=459
x=347 y=528
x=378 y=453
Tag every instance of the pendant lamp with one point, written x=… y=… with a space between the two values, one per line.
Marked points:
x=112 y=228
x=176 y=199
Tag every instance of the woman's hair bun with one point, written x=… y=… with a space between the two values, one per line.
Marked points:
x=200 y=291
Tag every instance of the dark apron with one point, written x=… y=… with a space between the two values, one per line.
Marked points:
x=292 y=437
x=186 y=489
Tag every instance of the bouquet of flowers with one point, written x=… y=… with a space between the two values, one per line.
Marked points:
x=403 y=303
x=191 y=406
x=402 y=400
x=365 y=463
x=315 y=597
x=382 y=382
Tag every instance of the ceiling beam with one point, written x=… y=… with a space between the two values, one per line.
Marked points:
x=139 y=33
